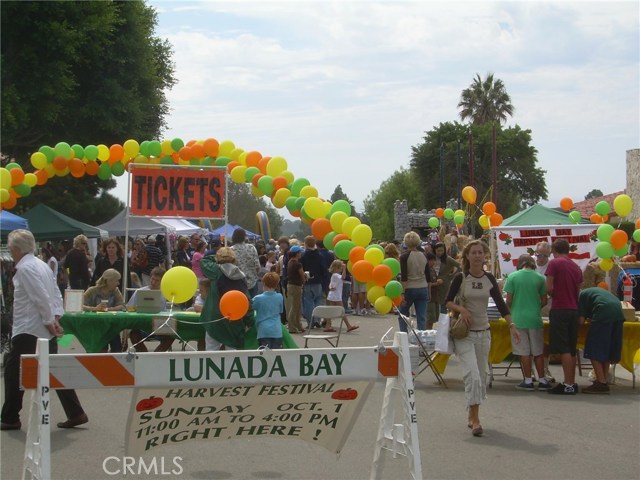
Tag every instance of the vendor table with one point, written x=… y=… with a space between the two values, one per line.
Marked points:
x=501 y=344
x=95 y=329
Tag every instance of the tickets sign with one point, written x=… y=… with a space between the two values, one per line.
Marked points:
x=178 y=192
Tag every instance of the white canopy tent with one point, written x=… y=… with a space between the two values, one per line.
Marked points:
x=117 y=226
x=181 y=226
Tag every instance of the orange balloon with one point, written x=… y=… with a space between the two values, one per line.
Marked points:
x=17 y=176
x=496 y=219
x=279 y=182
x=489 y=208
x=363 y=271
x=439 y=212
x=13 y=199
x=262 y=164
x=253 y=159
x=231 y=165
x=255 y=179
x=604 y=285
x=91 y=168
x=356 y=254
x=197 y=150
x=381 y=274
x=619 y=239
x=566 y=204
x=186 y=153
x=338 y=237
x=397 y=301
x=76 y=166
x=320 y=228
x=211 y=147
x=234 y=305
x=42 y=176
x=59 y=163
x=605 y=218
x=116 y=152
x=595 y=218
x=190 y=142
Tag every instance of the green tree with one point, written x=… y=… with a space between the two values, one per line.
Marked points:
x=485 y=101
x=338 y=194
x=520 y=180
x=243 y=207
x=378 y=206
x=595 y=193
x=80 y=72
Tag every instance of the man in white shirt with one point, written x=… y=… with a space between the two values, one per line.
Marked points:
x=37 y=306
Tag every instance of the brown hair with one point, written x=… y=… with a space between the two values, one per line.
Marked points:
x=526 y=261
x=310 y=242
x=271 y=280
x=467 y=248
x=109 y=241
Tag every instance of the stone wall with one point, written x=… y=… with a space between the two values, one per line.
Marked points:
x=633 y=182
x=404 y=220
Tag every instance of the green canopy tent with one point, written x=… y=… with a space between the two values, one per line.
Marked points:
x=539 y=215
x=47 y=224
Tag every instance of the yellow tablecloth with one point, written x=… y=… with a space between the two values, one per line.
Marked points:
x=501 y=343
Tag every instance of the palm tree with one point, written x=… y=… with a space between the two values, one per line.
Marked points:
x=485 y=101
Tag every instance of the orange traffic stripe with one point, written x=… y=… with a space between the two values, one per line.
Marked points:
x=107 y=370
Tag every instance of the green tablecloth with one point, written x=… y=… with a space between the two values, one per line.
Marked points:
x=94 y=330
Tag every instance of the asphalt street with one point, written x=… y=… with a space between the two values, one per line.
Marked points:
x=528 y=435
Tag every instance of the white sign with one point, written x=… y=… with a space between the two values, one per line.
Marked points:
x=319 y=413
x=515 y=241
x=256 y=366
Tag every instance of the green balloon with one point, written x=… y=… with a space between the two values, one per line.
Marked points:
x=117 y=169
x=155 y=149
x=636 y=235
x=23 y=189
x=194 y=161
x=602 y=208
x=222 y=161
x=342 y=249
x=78 y=151
x=604 y=232
x=12 y=165
x=144 y=148
x=299 y=203
x=575 y=217
x=393 y=289
x=340 y=206
x=604 y=250
x=90 y=151
x=290 y=203
x=167 y=160
x=394 y=265
x=51 y=154
x=448 y=213
x=621 y=252
x=209 y=161
x=63 y=149
x=458 y=219
x=298 y=184
x=104 y=173
x=250 y=172
x=434 y=222
x=265 y=185
x=328 y=240
x=177 y=144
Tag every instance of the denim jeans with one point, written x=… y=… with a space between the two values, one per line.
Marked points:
x=419 y=297
x=312 y=297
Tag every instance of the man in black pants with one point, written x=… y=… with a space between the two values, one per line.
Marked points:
x=37 y=306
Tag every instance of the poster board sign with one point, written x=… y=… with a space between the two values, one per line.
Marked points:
x=319 y=413
x=177 y=192
x=73 y=300
x=514 y=241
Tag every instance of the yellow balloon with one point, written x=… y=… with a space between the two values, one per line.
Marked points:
x=4 y=195
x=137 y=159
x=350 y=266
x=623 y=204
x=50 y=170
x=38 y=160
x=326 y=207
x=383 y=304
x=469 y=194
x=309 y=191
x=313 y=207
x=375 y=256
x=276 y=166
x=242 y=158
x=131 y=148
x=235 y=154
x=237 y=174
x=256 y=192
x=30 y=179
x=289 y=176
x=5 y=178
x=280 y=198
x=336 y=221
x=225 y=149
x=361 y=235
x=458 y=212
x=606 y=264
x=349 y=224
x=483 y=221
x=374 y=293
x=166 y=148
x=179 y=284
x=61 y=173
x=103 y=152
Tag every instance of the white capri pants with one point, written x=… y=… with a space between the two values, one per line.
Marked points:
x=473 y=352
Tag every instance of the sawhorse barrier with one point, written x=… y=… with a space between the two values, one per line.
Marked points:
x=313 y=395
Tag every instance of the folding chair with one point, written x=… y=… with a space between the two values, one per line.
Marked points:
x=327 y=312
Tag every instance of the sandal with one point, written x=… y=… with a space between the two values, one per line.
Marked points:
x=352 y=328
x=477 y=432
x=330 y=329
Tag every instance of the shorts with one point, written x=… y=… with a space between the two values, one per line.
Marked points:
x=531 y=342
x=358 y=287
x=563 y=331
x=604 y=342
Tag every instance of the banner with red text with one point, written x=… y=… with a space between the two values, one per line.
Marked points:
x=177 y=192
x=514 y=241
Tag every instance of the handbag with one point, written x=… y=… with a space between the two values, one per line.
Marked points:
x=444 y=343
x=458 y=328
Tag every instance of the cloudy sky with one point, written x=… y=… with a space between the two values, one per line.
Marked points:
x=343 y=89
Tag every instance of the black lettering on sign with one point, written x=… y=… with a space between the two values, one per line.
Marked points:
x=201 y=184
x=174 y=197
x=160 y=198
x=214 y=187
x=188 y=194
x=139 y=180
